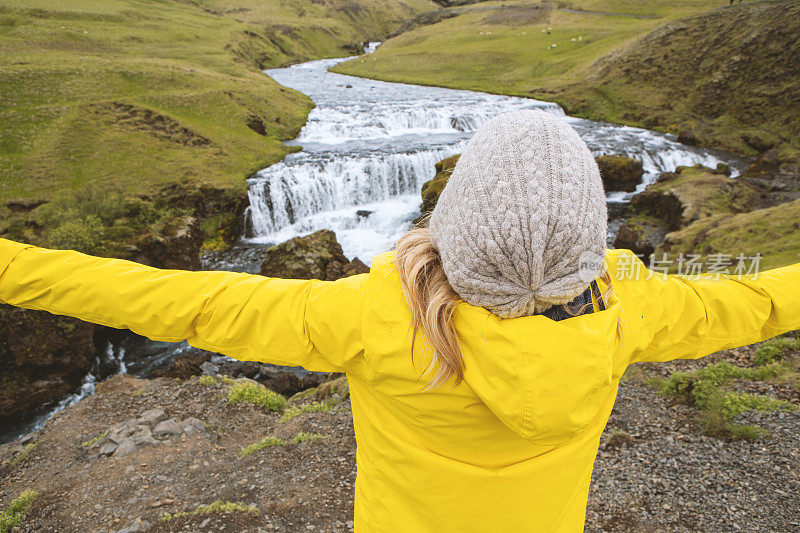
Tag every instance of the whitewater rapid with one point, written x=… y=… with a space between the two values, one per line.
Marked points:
x=368 y=147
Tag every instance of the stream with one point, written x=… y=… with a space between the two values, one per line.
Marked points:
x=367 y=149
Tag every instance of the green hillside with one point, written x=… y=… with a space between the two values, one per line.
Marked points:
x=723 y=76
x=129 y=95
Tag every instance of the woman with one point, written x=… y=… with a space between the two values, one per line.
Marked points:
x=483 y=354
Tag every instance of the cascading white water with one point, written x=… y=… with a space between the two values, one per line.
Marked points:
x=369 y=146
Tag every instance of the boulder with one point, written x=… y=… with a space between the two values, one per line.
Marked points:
x=337 y=389
x=315 y=256
x=144 y=440
x=184 y=366
x=108 y=448
x=619 y=172
x=167 y=428
x=641 y=235
x=192 y=425
x=152 y=417
x=433 y=188
x=43 y=357
x=691 y=193
x=125 y=447
x=209 y=368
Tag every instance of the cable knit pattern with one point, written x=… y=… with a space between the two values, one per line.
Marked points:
x=524 y=202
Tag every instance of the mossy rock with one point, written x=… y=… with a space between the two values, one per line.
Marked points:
x=641 y=234
x=433 y=188
x=691 y=193
x=619 y=172
x=336 y=389
x=315 y=256
x=303 y=396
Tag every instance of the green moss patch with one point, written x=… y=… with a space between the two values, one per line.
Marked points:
x=257 y=394
x=314 y=407
x=12 y=516
x=708 y=389
x=218 y=506
x=272 y=442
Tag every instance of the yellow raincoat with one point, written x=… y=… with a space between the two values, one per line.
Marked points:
x=509 y=449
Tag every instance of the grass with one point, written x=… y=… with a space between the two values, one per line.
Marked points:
x=502 y=47
x=12 y=516
x=257 y=394
x=272 y=442
x=143 y=94
x=217 y=506
x=21 y=455
x=100 y=436
x=207 y=380
x=775 y=349
x=314 y=407
x=619 y=437
x=708 y=390
x=771 y=232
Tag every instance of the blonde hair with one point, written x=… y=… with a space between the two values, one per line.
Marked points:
x=432 y=302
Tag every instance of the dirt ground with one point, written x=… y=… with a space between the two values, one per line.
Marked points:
x=655 y=469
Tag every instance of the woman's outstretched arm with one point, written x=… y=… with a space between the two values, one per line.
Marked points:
x=309 y=323
x=681 y=317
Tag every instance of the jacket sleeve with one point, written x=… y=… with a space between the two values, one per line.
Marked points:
x=682 y=317
x=309 y=323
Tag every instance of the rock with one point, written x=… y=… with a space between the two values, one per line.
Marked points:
x=184 y=366
x=364 y=213
x=641 y=235
x=314 y=256
x=43 y=357
x=144 y=440
x=108 y=448
x=620 y=173
x=691 y=193
x=433 y=188
x=151 y=417
x=282 y=382
x=167 y=428
x=143 y=431
x=126 y=446
x=209 y=368
x=192 y=425
x=117 y=436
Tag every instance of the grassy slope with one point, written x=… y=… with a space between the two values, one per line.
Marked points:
x=502 y=47
x=771 y=232
x=142 y=93
x=745 y=79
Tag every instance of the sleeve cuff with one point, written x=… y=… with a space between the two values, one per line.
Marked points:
x=8 y=251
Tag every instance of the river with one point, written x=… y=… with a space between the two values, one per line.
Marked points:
x=367 y=148
x=370 y=145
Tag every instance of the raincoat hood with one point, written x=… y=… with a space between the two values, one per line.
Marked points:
x=544 y=380
x=536 y=375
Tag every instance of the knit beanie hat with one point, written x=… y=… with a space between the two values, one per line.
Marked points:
x=521 y=224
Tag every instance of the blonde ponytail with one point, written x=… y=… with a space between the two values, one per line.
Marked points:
x=432 y=302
